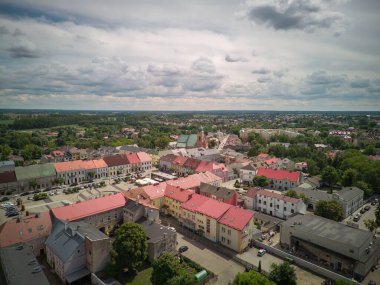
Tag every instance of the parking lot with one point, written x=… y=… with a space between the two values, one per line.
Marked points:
x=368 y=215
x=56 y=198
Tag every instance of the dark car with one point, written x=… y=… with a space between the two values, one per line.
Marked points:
x=356 y=219
x=3 y=199
x=362 y=211
x=12 y=214
x=367 y=207
x=371 y=282
x=24 y=193
x=183 y=248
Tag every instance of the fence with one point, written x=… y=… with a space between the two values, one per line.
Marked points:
x=303 y=263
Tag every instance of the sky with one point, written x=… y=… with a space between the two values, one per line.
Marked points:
x=190 y=55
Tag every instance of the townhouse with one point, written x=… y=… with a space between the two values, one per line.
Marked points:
x=281 y=179
x=223 y=194
x=273 y=203
x=236 y=228
x=77 y=249
x=175 y=196
x=36 y=176
x=247 y=173
x=117 y=165
x=31 y=230
x=145 y=161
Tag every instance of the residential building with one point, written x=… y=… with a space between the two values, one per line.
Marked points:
x=189 y=209
x=223 y=194
x=207 y=216
x=281 y=179
x=117 y=164
x=38 y=176
x=351 y=198
x=347 y=250
x=134 y=161
x=74 y=250
x=145 y=161
x=301 y=166
x=136 y=209
x=71 y=171
x=236 y=228
x=30 y=230
x=20 y=266
x=273 y=203
x=247 y=173
x=7 y=166
x=103 y=213
x=8 y=182
x=175 y=196
x=160 y=239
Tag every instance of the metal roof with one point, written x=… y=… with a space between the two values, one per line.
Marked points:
x=35 y=171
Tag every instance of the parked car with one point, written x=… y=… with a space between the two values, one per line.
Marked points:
x=12 y=214
x=367 y=207
x=261 y=252
x=3 y=199
x=183 y=248
x=362 y=211
x=25 y=193
x=357 y=218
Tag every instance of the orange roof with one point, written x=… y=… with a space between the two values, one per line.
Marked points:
x=194 y=180
x=279 y=174
x=144 y=157
x=69 y=166
x=155 y=191
x=27 y=229
x=236 y=218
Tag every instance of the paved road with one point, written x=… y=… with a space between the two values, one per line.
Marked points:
x=369 y=215
x=223 y=142
x=225 y=268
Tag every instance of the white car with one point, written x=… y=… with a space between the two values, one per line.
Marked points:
x=261 y=252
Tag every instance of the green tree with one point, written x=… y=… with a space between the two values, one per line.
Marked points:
x=251 y=278
x=329 y=209
x=59 y=180
x=371 y=225
x=184 y=278
x=33 y=184
x=165 y=268
x=349 y=177
x=330 y=176
x=130 y=248
x=291 y=193
x=343 y=282
x=282 y=274
x=260 y=181
x=364 y=186
x=211 y=144
x=377 y=213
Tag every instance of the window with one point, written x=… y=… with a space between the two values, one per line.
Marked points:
x=228 y=241
x=223 y=239
x=278 y=206
x=223 y=230
x=270 y=204
x=284 y=208
x=265 y=202
x=229 y=232
x=292 y=210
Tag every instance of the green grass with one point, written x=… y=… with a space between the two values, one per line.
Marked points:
x=142 y=278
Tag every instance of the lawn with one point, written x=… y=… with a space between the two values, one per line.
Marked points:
x=142 y=278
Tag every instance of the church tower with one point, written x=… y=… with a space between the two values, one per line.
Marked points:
x=201 y=139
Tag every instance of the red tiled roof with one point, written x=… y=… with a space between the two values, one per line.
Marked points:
x=209 y=166
x=271 y=161
x=279 y=174
x=116 y=160
x=168 y=158
x=27 y=229
x=178 y=194
x=88 y=208
x=263 y=155
x=58 y=153
x=236 y=218
x=155 y=191
x=213 y=208
x=7 y=177
x=374 y=157
x=94 y=164
x=135 y=194
x=195 y=201
x=192 y=163
x=133 y=158
x=252 y=192
x=180 y=160
x=144 y=157
x=269 y=193
x=194 y=180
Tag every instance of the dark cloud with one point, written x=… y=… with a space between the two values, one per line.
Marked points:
x=234 y=58
x=261 y=71
x=203 y=65
x=323 y=78
x=297 y=15
x=4 y=31
x=360 y=83
x=23 y=50
x=263 y=79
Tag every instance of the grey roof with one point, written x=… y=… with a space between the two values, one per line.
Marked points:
x=154 y=231
x=314 y=195
x=63 y=242
x=249 y=167
x=350 y=193
x=132 y=206
x=327 y=233
x=18 y=264
x=220 y=192
x=7 y=163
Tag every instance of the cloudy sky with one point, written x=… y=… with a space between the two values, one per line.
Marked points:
x=190 y=55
